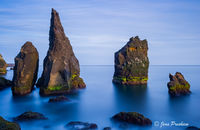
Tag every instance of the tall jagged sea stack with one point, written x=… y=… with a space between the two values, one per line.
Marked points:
x=25 y=70
x=132 y=63
x=61 y=72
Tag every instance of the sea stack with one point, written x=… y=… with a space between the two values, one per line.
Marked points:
x=61 y=71
x=25 y=70
x=178 y=85
x=3 y=65
x=132 y=63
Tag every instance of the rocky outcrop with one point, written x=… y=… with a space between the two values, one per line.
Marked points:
x=59 y=99
x=61 y=72
x=7 y=125
x=30 y=116
x=4 y=83
x=77 y=125
x=3 y=65
x=25 y=70
x=132 y=117
x=178 y=85
x=132 y=63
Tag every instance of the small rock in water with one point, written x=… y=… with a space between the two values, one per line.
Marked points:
x=178 y=85
x=192 y=128
x=4 y=83
x=7 y=125
x=132 y=117
x=107 y=128
x=58 y=99
x=77 y=125
x=30 y=116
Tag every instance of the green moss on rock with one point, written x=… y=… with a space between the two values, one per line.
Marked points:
x=6 y=125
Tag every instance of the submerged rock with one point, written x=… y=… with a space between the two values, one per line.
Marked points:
x=3 y=65
x=192 y=128
x=132 y=117
x=178 y=85
x=107 y=128
x=61 y=72
x=132 y=63
x=58 y=99
x=25 y=70
x=7 y=125
x=77 y=125
x=4 y=83
x=30 y=116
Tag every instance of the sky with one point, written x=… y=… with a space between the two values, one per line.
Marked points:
x=99 y=28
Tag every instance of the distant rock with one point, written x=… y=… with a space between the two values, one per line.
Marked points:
x=3 y=65
x=59 y=99
x=30 y=116
x=25 y=70
x=178 y=85
x=107 y=128
x=132 y=63
x=61 y=72
x=4 y=83
x=7 y=125
x=132 y=117
x=77 y=125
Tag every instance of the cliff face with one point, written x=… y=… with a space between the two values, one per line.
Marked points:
x=132 y=63
x=61 y=68
x=178 y=85
x=3 y=65
x=25 y=70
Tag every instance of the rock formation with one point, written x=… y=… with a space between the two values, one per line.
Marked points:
x=6 y=125
x=132 y=63
x=3 y=65
x=77 y=125
x=61 y=68
x=25 y=70
x=59 y=99
x=26 y=116
x=4 y=83
x=178 y=85
x=132 y=117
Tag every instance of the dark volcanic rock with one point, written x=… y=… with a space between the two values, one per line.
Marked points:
x=4 y=83
x=30 y=116
x=6 y=125
x=107 y=128
x=25 y=70
x=58 y=99
x=192 y=128
x=77 y=125
x=132 y=63
x=178 y=85
x=61 y=68
x=132 y=117
x=3 y=65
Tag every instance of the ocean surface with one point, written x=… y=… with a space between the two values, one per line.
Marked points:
x=102 y=99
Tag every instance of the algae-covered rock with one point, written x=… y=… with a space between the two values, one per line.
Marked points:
x=4 y=83
x=61 y=72
x=132 y=63
x=132 y=117
x=25 y=70
x=30 y=116
x=3 y=65
x=178 y=85
x=7 y=125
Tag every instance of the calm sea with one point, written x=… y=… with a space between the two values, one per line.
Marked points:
x=102 y=99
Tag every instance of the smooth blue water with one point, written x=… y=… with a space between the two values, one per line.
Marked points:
x=102 y=99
